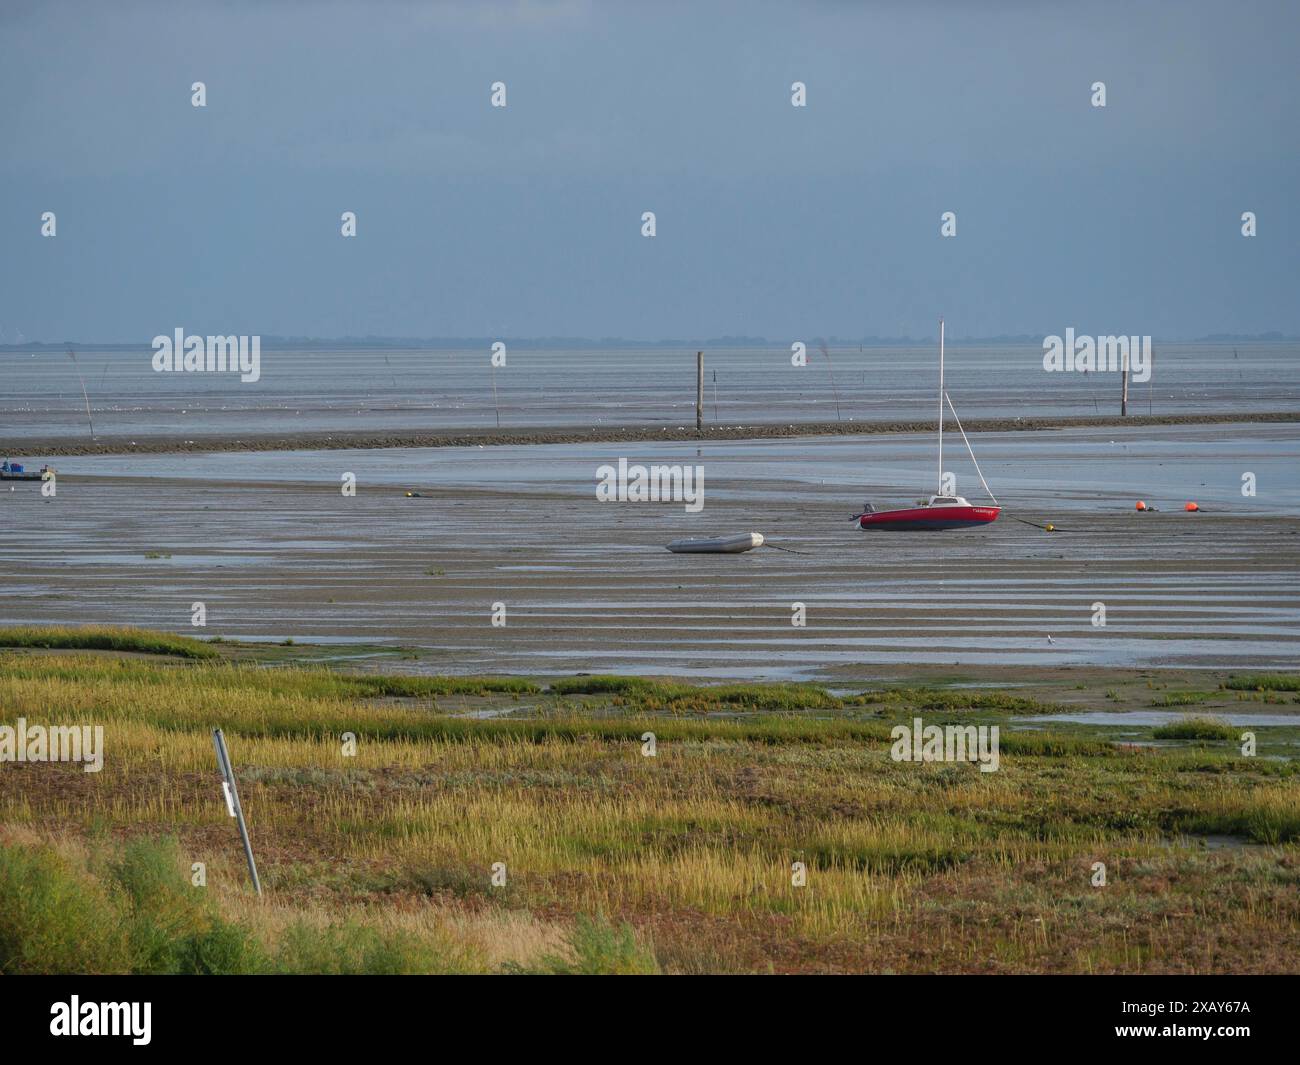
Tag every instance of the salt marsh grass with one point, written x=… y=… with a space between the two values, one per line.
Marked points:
x=383 y=861
x=106 y=638
x=1195 y=728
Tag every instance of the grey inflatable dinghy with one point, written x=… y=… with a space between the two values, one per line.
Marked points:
x=717 y=545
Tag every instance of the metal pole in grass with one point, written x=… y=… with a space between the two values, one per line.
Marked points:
x=231 y=793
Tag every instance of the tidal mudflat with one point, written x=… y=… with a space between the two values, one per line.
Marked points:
x=274 y=550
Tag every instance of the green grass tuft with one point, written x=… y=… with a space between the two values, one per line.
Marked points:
x=104 y=638
x=137 y=913
x=598 y=948
x=1195 y=728
x=1182 y=699
x=1273 y=682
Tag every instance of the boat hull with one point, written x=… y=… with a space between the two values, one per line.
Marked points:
x=717 y=545
x=928 y=519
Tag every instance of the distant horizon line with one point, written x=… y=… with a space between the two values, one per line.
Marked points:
x=363 y=343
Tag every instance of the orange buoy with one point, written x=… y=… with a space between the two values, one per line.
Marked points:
x=1141 y=505
x=1191 y=506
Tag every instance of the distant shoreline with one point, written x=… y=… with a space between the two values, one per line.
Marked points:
x=318 y=345
x=485 y=437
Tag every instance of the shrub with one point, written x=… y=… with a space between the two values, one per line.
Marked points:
x=54 y=918
x=597 y=948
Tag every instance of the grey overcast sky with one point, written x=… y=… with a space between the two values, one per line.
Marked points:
x=525 y=221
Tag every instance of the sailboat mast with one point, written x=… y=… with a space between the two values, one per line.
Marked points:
x=939 y=490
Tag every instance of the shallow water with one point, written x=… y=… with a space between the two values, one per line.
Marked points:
x=1155 y=718
x=322 y=391
x=1069 y=471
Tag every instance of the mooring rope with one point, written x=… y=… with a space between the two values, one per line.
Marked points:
x=971 y=451
x=788 y=551
x=1045 y=528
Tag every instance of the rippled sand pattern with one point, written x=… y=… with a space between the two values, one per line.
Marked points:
x=587 y=586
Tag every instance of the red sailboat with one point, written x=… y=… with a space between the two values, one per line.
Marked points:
x=940 y=511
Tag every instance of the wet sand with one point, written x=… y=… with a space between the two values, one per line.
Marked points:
x=269 y=544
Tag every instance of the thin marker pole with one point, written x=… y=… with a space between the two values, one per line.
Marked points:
x=1123 y=395
x=233 y=804
x=699 y=391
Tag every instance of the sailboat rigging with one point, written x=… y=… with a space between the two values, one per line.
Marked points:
x=941 y=511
